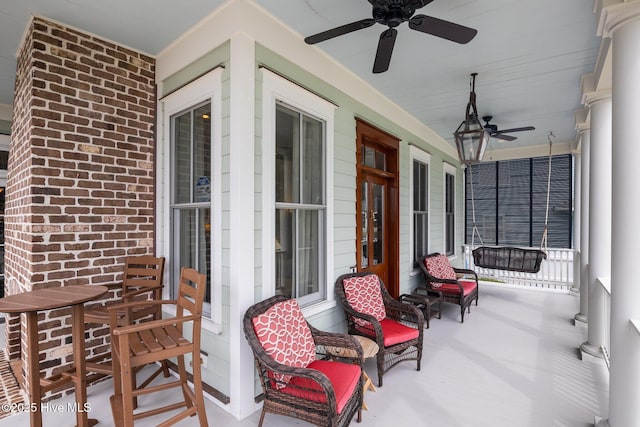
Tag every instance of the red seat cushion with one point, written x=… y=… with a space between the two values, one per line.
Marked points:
x=468 y=286
x=393 y=332
x=344 y=378
x=363 y=294
x=284 y=334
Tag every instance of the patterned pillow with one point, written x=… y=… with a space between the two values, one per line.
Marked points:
x=440 y=267
x=284 y=334
x=363 y=294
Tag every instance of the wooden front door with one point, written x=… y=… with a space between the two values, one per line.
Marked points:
x=377 y=203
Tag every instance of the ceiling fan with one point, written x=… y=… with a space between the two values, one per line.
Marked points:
x=500 y=134
x=392 y=13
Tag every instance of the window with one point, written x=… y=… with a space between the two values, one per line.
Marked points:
x=297 y=188
x=511 y=199
x=419 y=191
x=449 y=211
x=300 y=208
x=189 y=195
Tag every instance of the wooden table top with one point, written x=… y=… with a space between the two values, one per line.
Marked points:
x=48 y=298
x=369 y=348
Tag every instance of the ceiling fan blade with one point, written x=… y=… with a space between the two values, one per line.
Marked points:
x=385 y=49
x=339 y=31
x=503 y=137
x=516 y=129
x=444 y=29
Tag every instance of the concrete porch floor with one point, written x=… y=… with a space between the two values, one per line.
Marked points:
x=513 y=363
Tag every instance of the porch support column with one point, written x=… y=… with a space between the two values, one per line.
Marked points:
x=599 y=104
x=577 y=221
x=241 y=221
x=622 y=24
x=585 y=144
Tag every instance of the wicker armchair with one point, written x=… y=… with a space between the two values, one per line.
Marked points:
x=300 y=378
x=371 y=312
x=440 y=277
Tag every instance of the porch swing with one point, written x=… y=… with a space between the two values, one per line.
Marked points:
x=525 y=260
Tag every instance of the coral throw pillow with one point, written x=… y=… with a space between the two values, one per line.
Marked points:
x=440 y=267
x=363 y=294
x=284 y=334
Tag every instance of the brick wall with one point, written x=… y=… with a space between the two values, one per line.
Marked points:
x=80 y=184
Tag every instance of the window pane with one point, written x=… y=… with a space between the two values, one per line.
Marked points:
x=285 y=251
x=420 y=210
x=420 y=235
x=309 y=256
x=373 y=158
x=450 y=214
x=313 y=173
x=287 y=155
x=204 y=247
x=202 y=153
x=184 y=238
x=182 y=158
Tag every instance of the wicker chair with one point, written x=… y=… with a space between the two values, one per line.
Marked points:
x=300 y=379
x=371 y=312
x=441 y=278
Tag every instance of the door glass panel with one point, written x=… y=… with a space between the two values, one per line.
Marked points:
x=364 y=262
x=378 y=221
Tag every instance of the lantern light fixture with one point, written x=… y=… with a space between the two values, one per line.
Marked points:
x=471 y=136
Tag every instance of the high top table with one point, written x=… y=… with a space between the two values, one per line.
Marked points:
x=30 y=303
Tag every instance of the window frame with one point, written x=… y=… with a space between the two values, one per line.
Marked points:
x=207 y=88
x=417 y=154
x=448 y=169
x=276 y=89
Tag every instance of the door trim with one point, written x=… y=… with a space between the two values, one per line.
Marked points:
x=370 y=136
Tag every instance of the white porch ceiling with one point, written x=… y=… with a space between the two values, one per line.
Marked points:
x=530 y=55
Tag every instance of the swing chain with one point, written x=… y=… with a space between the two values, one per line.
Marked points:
x=543 y=242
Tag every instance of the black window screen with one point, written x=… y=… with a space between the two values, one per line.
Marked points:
x=510 y=202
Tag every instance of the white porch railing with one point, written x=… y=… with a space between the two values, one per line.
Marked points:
x=605 y=284
x=556 y=272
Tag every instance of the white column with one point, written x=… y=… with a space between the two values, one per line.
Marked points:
x=599 y=219
x=585 y=143
x=241 y=221
x=624 y=391
x=577 y=220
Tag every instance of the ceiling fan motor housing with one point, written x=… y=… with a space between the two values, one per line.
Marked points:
x=393 y=12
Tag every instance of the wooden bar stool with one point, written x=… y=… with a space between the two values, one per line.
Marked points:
x=136 y=345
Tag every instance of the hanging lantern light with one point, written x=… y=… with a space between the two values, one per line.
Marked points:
x=471 y=136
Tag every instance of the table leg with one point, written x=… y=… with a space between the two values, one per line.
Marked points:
x=79 y=362
x=33 y=364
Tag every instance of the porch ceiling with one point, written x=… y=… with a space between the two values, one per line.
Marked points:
x=530 y=55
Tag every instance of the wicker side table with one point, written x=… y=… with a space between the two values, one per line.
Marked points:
x=425 y=302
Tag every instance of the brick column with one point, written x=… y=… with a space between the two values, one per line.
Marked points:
x=80 y=184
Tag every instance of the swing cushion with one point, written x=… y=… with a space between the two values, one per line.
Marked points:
x=439 y=266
